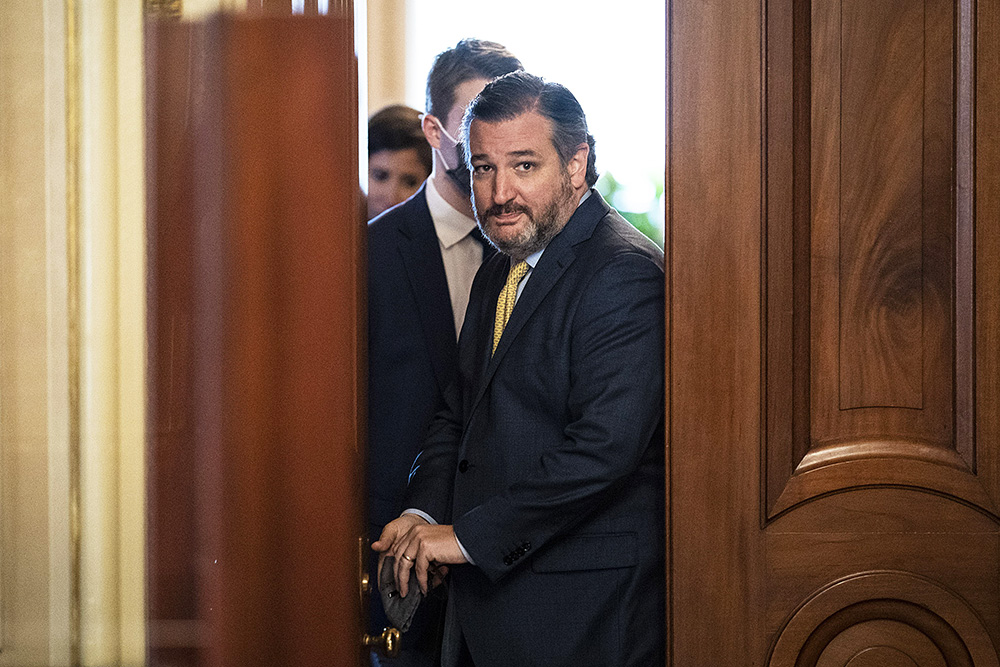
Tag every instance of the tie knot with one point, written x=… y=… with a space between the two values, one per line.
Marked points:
x=517 y=272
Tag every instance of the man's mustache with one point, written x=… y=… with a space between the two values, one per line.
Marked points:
x=507 y=209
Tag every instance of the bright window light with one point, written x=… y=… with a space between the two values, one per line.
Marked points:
x=611 y=55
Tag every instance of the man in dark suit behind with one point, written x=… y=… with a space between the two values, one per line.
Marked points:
x=422 y=258
x=540 y=488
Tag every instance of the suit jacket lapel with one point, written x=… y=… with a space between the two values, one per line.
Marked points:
x=421 y=254
x=558 y=256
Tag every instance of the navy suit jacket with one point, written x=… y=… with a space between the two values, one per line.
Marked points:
x=549 y=457
x=412 y=349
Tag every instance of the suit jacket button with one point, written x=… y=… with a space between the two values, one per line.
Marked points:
x=526 y=546
x=507 y=560
x=463 y=465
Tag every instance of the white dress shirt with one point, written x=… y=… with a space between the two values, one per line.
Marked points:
x=462 y=253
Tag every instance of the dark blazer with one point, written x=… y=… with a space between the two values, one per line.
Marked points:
x=412 y=349
x=549 y=459
x=412 y=358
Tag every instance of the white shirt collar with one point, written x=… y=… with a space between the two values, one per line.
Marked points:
x=450 y=224
x=533 y=258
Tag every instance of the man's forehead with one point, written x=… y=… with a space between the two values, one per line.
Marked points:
x=463 y=93
x=529 y=133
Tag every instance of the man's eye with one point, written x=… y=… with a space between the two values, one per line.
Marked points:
x=526 y=166
x=480 y=168
x=380 y=175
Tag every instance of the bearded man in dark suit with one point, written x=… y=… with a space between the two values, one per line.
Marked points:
x=422 y=257
x=540 y=489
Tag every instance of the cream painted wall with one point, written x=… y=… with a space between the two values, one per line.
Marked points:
x=193 y=9
x=72 y=323
x=71 y=333
x=34 y=490
x=386 y=53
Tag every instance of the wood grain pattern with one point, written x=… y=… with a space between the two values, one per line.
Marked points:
x=861 y=279
x=714 y=388
x=875 y=461
x=881 y=353
x=275 y=294
x=174 y=635
x=869 y=610
x=987 y=245
x=882 y=264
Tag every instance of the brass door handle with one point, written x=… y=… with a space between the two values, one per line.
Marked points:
x=363 y=581
x=385 y=644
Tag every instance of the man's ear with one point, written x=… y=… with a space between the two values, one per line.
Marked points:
x=577 y=167
x=432 y=129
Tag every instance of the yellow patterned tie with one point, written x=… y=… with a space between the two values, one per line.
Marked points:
x=505 y=302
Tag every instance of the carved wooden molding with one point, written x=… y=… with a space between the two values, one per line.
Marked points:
x=869 y=254
x=884 y=618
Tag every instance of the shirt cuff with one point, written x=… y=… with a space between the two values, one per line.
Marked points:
x=423 y=515
x=429 y=519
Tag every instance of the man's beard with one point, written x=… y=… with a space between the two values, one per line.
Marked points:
x=539 y=229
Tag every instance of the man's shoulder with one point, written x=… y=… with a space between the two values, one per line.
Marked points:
x=614 y=236
x=410 y=214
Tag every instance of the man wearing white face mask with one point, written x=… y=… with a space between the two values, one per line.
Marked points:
x=422 y=257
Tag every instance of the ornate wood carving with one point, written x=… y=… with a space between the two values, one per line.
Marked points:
x=884 y=619
x=834 y=404
x=869 y=347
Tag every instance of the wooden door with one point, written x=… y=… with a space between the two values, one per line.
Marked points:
x=256 y=343
x=834 y=345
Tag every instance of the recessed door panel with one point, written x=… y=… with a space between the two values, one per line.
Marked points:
x=833 y=347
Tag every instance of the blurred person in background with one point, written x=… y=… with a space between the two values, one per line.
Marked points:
x=399 y=157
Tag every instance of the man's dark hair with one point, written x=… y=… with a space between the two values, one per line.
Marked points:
x=518 y=93
x=395 y=128
x=469 y=59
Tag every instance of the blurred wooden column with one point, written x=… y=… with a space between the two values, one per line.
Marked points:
x=256 y=337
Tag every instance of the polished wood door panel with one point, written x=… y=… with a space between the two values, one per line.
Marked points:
x=257 y=338
x=714 y=384
x=881 y=267
x=983 y=239
x=833 y=344
x=174 y=633
x=907 y=530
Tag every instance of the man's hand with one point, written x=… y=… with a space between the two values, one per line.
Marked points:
x=417 y=544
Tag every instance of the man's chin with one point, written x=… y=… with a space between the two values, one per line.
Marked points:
x=517 y=248
x=505 y=232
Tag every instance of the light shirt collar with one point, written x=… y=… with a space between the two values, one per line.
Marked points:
x=450 y=224
x=533 y=258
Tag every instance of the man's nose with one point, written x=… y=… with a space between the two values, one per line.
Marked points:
x=398 y=193
x=503 y=188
